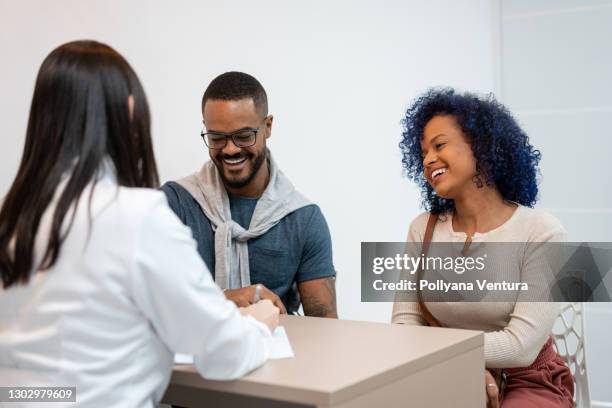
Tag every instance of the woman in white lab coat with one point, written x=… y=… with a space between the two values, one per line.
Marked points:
x=102 y=284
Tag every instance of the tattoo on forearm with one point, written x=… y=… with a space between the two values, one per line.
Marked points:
x=322 y=303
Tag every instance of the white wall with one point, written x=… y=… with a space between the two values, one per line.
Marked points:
x=556 y=76
x=338 y=74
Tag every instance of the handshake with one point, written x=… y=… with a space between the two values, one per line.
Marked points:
x=259 y=302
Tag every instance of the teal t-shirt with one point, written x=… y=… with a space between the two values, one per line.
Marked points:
x=295 y=250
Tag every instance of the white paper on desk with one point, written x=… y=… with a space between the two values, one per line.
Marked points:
x=183 y=358
x=280 y=348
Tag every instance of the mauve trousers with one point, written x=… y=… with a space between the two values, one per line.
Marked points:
x=547 y=383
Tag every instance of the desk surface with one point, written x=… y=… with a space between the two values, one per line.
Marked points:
x=335 y=360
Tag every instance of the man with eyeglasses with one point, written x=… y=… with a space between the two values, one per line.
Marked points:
x=261 y=238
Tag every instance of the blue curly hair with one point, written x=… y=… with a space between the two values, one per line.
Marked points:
x=504 y=157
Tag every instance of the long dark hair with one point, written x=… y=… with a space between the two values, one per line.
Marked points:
x=80 y=116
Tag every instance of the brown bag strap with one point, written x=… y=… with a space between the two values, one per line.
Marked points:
x=431 y=224
x=499 y=375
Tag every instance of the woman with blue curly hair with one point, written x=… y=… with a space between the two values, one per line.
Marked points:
x=477 y=174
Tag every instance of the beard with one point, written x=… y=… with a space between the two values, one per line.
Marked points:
x=256 y=160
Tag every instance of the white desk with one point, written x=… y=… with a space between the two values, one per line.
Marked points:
x=341 y=363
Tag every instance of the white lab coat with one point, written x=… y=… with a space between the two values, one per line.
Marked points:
x=124 y=295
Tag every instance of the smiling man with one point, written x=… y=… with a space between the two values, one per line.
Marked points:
x=259 y=235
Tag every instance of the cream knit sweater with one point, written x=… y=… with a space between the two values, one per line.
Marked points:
x=514 y=332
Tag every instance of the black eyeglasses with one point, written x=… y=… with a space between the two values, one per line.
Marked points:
x=240 y=138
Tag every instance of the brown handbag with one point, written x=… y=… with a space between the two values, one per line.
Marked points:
x=499 y=375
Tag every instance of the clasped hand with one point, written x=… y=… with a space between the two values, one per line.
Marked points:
x=249 y=295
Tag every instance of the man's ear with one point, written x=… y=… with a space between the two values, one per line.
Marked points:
x=269 y=121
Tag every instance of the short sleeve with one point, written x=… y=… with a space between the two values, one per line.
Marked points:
x=316 y=261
